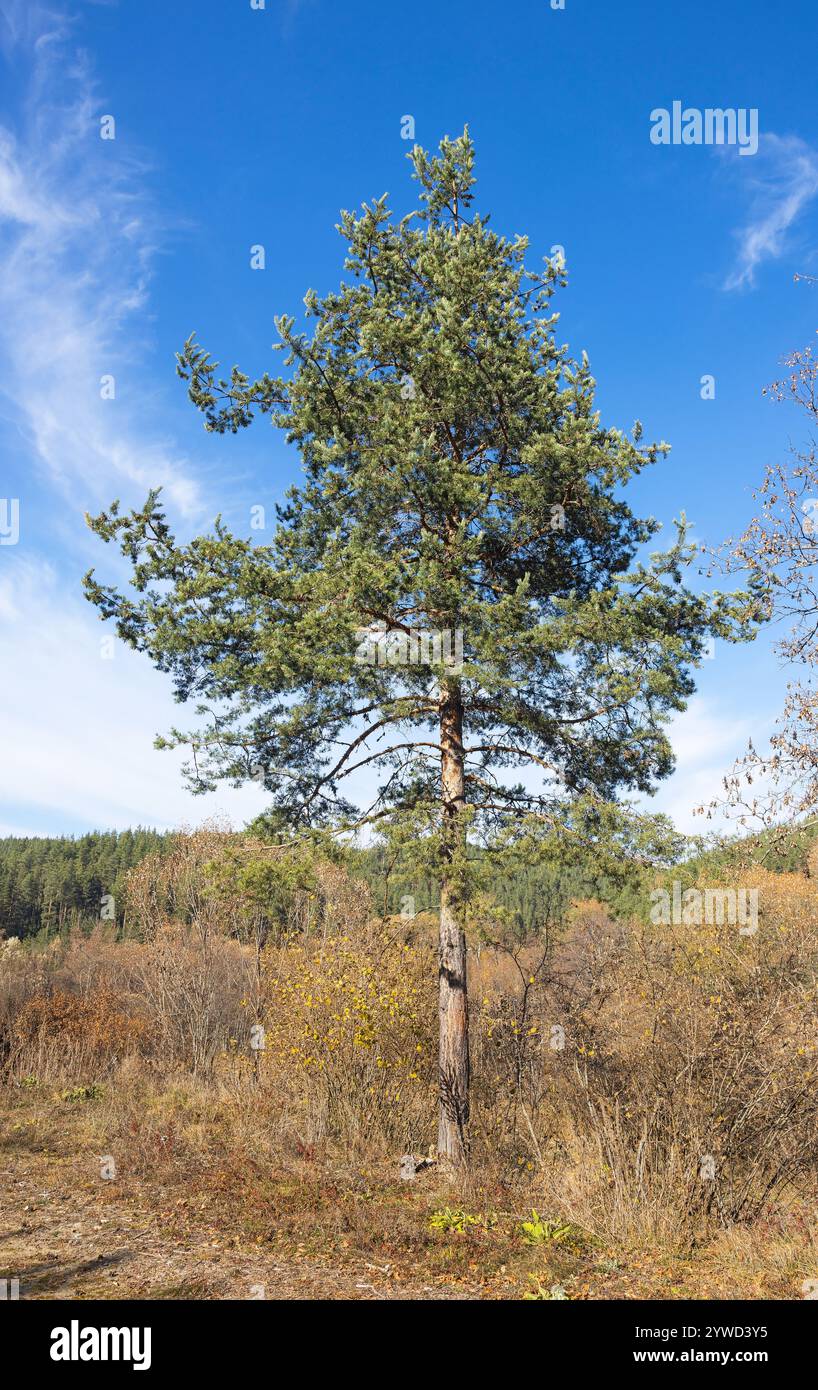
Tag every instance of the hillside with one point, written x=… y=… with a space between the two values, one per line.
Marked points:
x=48 y=884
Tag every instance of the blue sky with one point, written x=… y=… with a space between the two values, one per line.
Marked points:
x=238 y=126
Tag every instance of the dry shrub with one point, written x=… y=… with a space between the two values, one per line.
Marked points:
x=192 y=988
x=56 y=1032
x=22 y=975
x=344 y=902
x=349 y=1038
x=681 y=1088
x=176 y=885
x=56 y=1005
x=217 y=882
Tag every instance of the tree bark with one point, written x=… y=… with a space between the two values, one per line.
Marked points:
x=453 y=1005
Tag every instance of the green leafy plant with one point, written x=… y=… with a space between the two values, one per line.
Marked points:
x=77 y=1094
x=456 y=1219
x=538 y=1232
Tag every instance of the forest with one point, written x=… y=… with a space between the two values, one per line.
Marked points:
x=50 y=884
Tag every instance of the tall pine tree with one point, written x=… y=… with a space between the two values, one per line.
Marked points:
x=457 y=479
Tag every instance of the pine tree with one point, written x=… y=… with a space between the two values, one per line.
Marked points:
x=457 y=480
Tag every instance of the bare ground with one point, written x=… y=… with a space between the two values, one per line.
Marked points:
x=222 y=1231
x=64 y=1237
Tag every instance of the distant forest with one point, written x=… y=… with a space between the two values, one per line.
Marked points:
x=47 y=885
x=533 y=897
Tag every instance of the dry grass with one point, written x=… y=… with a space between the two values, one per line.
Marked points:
x=609 y=1064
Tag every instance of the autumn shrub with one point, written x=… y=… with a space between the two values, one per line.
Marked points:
x=57 y=1032
x=684 y=1091
x=349 y=1036
x=219 y=883
x=66 y=1004
x=191 y=987
x=21 y=976
x=177 y=886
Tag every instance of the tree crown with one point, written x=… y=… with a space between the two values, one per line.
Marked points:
x=457 y=480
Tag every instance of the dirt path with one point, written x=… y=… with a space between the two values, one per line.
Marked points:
x=63 y=1237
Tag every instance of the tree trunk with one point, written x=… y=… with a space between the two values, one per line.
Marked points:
x=453 y=1004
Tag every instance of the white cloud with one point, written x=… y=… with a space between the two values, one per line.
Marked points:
x=26 y=24
x=706 y=739
x=78 y=237
x=78 y=730
x=783 y=180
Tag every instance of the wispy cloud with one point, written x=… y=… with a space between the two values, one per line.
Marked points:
x=78 y=237
x=783 y=181
x=25 y=25
x=78 y=730
x=706 y=739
